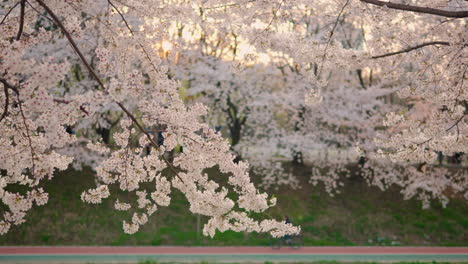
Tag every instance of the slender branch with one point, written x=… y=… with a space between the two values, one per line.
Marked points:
x=39 y=13
x=129 y=141
x=13 y=88
x=21 y=25
x=331 y=35
x=452 y=126
x=122 y=16
x=8 y=13
x=140 y=127
x=456 y=123
x=445 y=43
x=27 y=134
x=275 y=12
x=419 y=9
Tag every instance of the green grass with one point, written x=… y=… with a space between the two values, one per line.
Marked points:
x=360 y=215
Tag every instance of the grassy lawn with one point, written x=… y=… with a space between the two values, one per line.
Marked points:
x=360 y=215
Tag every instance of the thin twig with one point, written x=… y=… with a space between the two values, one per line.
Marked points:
x=140 y=127
x=133 y=34
x=271 y=21
x=445 y=43
x=456 y=123
x=452 y=126
x=28 y=135
x=37 y=11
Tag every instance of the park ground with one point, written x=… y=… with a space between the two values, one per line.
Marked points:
x=359 y=216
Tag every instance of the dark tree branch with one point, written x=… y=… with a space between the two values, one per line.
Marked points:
x=419 y=9
x=7 y=102
x=9 y=86
x=21 y=24
x=445 y=43
x=361 y=80
x=8 y=13
x=14 y=89
x=122 y=16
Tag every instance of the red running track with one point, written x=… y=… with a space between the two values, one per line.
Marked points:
x=107 y=250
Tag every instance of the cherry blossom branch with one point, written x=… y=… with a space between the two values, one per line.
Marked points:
x=95 y=76
x=21 y=25
x=8 y=13
x=135 y=121
x=419 y=9
x=445 y=43
x=72 y=42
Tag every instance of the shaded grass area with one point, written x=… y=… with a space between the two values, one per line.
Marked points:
x=359 y=215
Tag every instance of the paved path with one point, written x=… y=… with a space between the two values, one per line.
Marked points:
x=87 y=254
